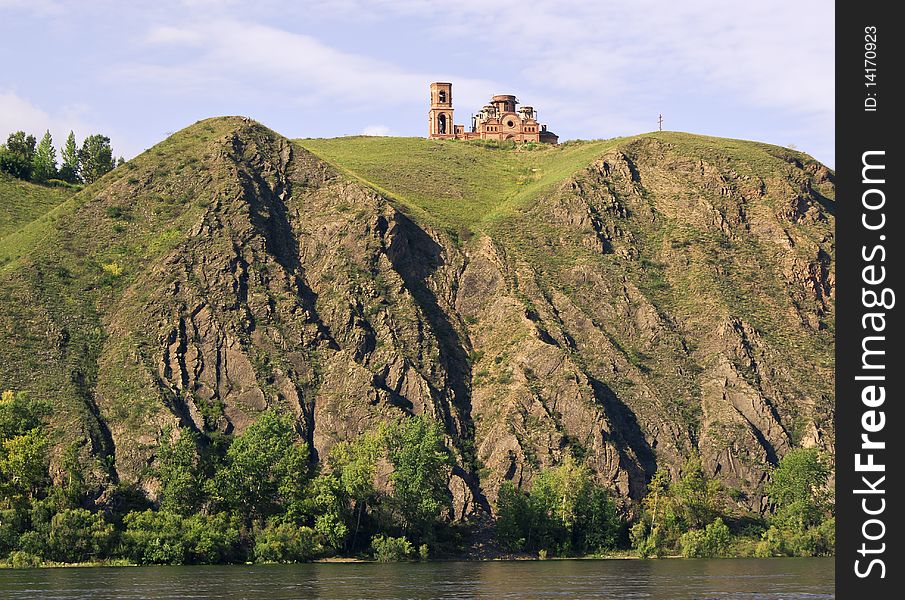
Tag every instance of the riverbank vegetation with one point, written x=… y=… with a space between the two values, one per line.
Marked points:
x=260 y=497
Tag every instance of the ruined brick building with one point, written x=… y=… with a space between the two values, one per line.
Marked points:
x=498 y=120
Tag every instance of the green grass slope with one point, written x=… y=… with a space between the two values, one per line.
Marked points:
x=469 y=185
x=456 y=185
x=22 y=202
x=62 y=273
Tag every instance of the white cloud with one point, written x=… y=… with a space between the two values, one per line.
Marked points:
x=173 y=36
x=18 y=114
x=591 y=68
x=603 y=60
x=239 y=59
x=377 y=130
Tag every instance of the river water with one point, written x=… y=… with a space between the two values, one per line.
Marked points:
x=728 y=579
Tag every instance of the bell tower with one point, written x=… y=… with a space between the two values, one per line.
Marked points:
x=441 y=111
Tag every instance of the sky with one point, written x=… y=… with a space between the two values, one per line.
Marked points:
x=139 y=71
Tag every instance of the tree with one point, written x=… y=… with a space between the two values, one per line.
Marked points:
x=514 y=517
x=354 y=465
x=328 y=504
x=697 y=497
x=69 y=169
x=711 y=542
x=23 y=449
x=798 y=489
x=266 y=464
x=45 y=159
x=179 y=470
x=155 y=538
x=566 y=512
x=420 y=475
x=673 y=508
x=17 y=155
x=212 y=539
x=79 y=535
x=95 y=158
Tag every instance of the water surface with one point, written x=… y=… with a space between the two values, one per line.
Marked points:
x=744 y=579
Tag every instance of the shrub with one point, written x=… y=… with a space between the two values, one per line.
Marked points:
x=711 y=542
x=212 y=539
x=23 y=560
x=114 y=269
x=647 y=542
x=164 y=537
x=155 y=538
x=814 y=541
x=79 y=535
x=391 y=549
x=285 y=543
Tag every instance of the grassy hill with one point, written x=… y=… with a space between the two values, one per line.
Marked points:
x=21 y=202
x=455 y=184
x=466 y=185
x=629 y=300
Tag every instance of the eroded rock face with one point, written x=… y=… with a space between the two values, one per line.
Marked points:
x=653 y=305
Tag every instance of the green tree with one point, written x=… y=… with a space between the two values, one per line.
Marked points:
x=23 y=449
x=514 y=518
x=212 y=539
x=696 y=497
x=354 y=465
x=797 y=488
x=73 y=485
x=421 y=464
x=711 y=542
x=264 y=467
x=328 y=506
x=79 y=535
x=95 y=158
x=672 y=508
x=45 y=159
x=69 y=155
x=17 y=155
x=179 y=470
x=566 y=512
x=155 y=538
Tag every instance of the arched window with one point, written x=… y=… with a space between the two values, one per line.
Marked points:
x=443 y=96
x=441 y=123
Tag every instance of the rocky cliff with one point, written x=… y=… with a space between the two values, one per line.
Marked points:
x=674 y=294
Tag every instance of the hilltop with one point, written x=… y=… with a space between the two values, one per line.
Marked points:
x=629 y=301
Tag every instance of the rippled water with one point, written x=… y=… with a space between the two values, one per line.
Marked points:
x=773 y=579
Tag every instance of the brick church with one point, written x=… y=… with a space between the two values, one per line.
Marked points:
x=498 y=120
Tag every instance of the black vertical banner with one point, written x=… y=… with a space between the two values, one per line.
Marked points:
x=870 y=430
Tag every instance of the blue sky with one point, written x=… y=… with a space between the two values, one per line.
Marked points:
x=137 y=71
